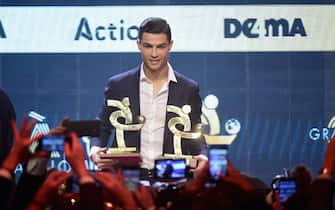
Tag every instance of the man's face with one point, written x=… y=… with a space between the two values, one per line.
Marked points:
x=155 y=50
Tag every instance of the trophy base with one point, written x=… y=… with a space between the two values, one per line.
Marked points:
x=121 y=150
x=123 y=159
x=219 y=140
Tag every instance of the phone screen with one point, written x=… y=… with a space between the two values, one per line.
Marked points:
x=52 y=143
x=131 y=178
x=170 y=168
x=286 y=188
x=218 y=160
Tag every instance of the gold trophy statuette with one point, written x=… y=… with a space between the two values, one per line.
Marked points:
x=126 y=114
x=182 y=119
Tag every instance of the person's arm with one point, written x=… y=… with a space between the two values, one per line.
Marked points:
x=34 y=169
x=47 y=194
x=322 y=188
x=195 y=185
x=28 y=183
x=116 y=190
x=144 y=198
x=322 y=191
x=87 y=201
x=75 y=155
x=33 y=176
x=27 y=187
x=20 y=150
x=234 y=176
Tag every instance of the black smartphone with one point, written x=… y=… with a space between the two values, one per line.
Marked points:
x=286 y=187
x=83 y=127
x=52 y=143
x=131 y=178
x=218 y=159
x=170 y=168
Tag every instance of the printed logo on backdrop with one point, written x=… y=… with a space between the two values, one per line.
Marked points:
x=211 y=119
x=254 y=28
x=111 y=31
x=323 y=133
x=2 y=31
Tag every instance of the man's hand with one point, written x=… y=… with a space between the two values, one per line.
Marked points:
x=202 y=161
x=96 y=156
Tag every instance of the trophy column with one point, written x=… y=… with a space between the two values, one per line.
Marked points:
x=184 y=120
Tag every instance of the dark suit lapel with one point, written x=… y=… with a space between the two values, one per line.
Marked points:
x=134 y=92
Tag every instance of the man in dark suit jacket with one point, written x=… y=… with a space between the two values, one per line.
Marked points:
x=150 y=88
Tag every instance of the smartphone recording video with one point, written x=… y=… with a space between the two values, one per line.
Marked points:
x=218 y=159
x=170 y=168
x=52 y=143
x=286 y=187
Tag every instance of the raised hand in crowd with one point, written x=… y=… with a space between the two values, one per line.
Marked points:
x=276 y=205
x=60 y=129
x=49 y=194
x=75 y=155
x=115 y=191
x=195 y=185
x=329 y=160
x=323 y=188
x=234 y=176
x=202 y=161
x=20 y=149
x=144 y=198
x=19 y=153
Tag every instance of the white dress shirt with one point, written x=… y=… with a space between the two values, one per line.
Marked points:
x=153 y=108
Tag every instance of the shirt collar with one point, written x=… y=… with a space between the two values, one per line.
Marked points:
x=171 y=74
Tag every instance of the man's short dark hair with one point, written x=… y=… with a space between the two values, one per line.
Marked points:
x=155 y=25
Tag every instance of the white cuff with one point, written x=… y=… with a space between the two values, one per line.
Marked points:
x=94 y=150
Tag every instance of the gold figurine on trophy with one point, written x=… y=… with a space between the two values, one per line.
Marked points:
x=184 y=120
x=125 y=113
